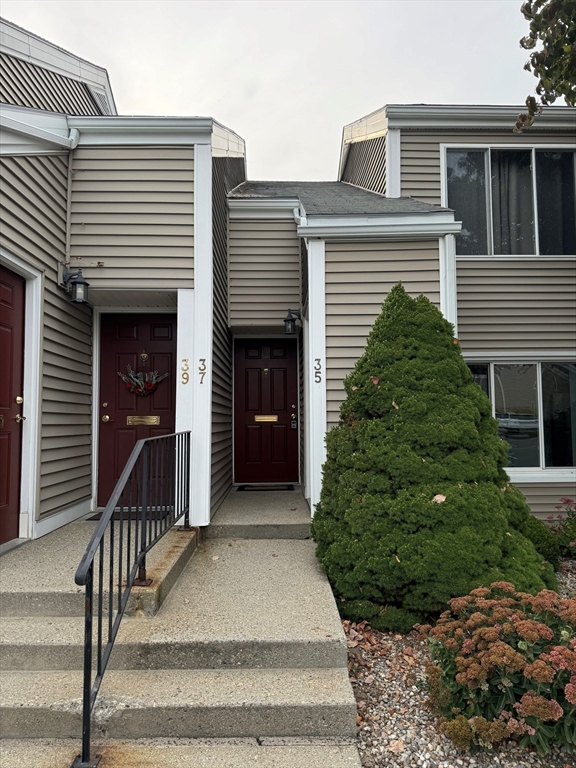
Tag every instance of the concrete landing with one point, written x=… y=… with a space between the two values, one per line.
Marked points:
x=262 y=515
x=183 y=753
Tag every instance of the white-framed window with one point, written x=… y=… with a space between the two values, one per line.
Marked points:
x=512 y=201
x=535 y=404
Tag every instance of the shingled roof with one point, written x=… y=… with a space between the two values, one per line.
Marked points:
x=331 y=198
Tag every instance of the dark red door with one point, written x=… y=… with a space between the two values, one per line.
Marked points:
x=146 y=343
x=265 y=411
x=11 y=381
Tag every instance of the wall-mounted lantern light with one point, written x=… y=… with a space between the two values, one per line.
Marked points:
x=76 y=285
x=290 y=321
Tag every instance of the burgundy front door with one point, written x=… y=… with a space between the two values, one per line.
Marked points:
x=265 y=411
x=11 y=382
x=146 y=343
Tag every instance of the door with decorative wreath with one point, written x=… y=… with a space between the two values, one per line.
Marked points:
x=137 y=388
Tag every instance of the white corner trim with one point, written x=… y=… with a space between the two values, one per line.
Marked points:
x=477 y=116
x=448 y=294
x=202 y=333
x=316 y=367
x=393 y=160
x=263 y=208
x=30 y=462
x=393 y=226
x=51 y=523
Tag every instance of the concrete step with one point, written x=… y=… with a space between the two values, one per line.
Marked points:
x=183 y=753
x=262 y=515
x=183 y=703
x=240 y=604
x=37 y=579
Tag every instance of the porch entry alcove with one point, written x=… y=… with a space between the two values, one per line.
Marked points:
x=265 y=411
x=145 y=343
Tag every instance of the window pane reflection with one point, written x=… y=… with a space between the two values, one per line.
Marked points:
x=466 y=175
x=559 y=413
x=512 y=209
x=556 y=202
x=480 y=375
x=516 y=400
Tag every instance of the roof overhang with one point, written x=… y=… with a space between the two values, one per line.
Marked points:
x=263 y=208
x=392 y=226
x=451 y=116
x=66 y=132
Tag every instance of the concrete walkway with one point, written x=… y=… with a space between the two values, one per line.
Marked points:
x=248 y=645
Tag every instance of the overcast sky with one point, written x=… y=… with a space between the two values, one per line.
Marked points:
x=288 y=75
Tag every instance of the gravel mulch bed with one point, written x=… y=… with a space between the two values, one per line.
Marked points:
x=395 y=726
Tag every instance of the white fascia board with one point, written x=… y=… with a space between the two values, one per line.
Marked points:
x=263 y=208
x=475 y=116
x=392 y=226
x=536 y=475
x=526 y=356
x=106 y=130
x=61 y=138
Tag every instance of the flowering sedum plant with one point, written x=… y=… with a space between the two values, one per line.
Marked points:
x=504 y=667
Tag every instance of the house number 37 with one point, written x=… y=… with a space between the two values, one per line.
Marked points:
x=202 y=369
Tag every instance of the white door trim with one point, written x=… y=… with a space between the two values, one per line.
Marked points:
x=316 y=368
x=30 y=460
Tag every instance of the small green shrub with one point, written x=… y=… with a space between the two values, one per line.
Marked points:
x=504 y=667
x=545 y=540
x=564 y=526
x=416 y=506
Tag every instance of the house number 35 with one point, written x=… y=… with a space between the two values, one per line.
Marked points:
x=317 y=370
x=202 y=369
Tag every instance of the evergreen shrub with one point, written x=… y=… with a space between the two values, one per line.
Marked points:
x=415 y=506
x=504 y=667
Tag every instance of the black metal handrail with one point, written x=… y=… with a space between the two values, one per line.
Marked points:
x=151 y=495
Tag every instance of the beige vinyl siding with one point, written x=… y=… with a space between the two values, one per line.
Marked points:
x=27 y=85
x=226 y=174
x=33 y=218
x=366 y=164
x=420 y=154
x=264 y=271
x=543 y=497
x=358 y=279
x=516 y=305
x=133 y=216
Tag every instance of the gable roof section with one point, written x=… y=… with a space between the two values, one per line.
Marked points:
x=330 y=198
x=38 y=74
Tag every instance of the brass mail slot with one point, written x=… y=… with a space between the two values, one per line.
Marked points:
x=138 y=421
x=265 y=418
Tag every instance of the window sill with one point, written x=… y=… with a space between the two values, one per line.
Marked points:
x=541 y=475
x=530 y=257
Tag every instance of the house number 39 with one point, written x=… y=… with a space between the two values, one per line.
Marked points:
x=185 y=369
x=202 y=369
x=317 y=370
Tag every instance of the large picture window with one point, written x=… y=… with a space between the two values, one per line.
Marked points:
x=513 y=202
x=535 y=404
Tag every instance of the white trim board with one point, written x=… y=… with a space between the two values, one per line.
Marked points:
x=262 y=208
x=393 y=163
x=30 y=461
x=202 y=338
x=397 y=226
x=50 y=523
x=316 y=368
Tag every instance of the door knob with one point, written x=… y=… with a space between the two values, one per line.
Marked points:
x=106 y=417
x=19 y=418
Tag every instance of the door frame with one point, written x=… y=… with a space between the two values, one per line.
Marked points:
x=96 y=366
x=260 y=337
x=30 y=460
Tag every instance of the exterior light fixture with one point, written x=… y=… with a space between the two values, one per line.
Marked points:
x=290 y=321
x=76 y=285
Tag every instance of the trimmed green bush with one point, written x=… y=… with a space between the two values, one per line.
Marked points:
x=545 y=540
x=415 y=506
